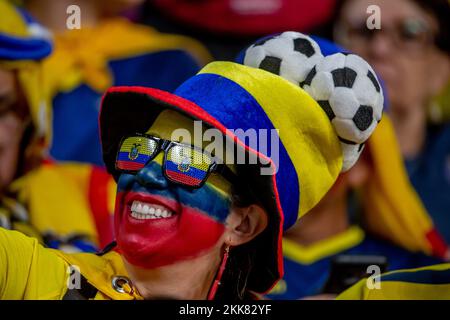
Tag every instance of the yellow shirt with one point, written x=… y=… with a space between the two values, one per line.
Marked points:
x=64 y=201
x=427 y=283
x=30 y=271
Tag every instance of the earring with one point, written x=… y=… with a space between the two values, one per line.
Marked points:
x=217 y=283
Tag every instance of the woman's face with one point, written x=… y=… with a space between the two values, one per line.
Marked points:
x=191 y=221
x=11 y=129
x=402 y=52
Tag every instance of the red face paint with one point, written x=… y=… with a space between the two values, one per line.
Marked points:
x=152 y=243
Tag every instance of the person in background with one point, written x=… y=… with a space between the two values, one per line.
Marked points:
x=209 y=20
x=411 y=53
x=107 y=50
x=59 y=204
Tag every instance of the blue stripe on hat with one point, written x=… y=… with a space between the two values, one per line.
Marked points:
x=14 y=48
x=35 y=46
x=224 y=99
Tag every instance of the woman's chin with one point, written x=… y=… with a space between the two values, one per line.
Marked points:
x=140 y=252
x=150 y=257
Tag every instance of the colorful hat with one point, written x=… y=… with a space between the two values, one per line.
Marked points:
x=343 y=84
x=23 y=43
x=21 y=38
x=226 y=95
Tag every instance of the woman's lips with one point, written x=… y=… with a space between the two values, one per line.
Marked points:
x=151 y=243
x=144 y=211
x=142 y=206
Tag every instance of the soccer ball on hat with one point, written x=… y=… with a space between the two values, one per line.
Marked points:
x=291 y=55
x=351 y=153
x=347 y=89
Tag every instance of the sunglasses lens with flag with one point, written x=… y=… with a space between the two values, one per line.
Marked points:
x=187 y=165
x=135 y=152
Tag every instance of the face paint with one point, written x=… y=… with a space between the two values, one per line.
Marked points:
x=190 y=222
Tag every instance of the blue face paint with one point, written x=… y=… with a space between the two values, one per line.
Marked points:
x=195 y=224
x=150 y=179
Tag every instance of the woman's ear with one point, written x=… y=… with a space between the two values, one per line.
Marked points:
x=244 y=224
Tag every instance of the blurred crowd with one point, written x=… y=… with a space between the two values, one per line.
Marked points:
x=391 y=209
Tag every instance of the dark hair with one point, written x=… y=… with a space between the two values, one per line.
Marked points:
x=440 y=9
x=242 y=258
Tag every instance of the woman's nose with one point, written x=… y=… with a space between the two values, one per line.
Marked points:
x=152 y=176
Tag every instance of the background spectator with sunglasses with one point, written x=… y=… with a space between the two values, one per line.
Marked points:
x=411 y=53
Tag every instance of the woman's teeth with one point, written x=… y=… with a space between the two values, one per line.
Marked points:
x=143 y=211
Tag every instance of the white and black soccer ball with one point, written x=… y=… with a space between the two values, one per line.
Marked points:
x=350 y=153
x=291 y=55
x=347 y=89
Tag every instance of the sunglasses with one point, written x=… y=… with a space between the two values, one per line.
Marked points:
x=408 y=34
x=183 y=164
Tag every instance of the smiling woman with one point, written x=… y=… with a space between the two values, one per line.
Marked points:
x=170 y=207
x=174 y=186
x=185 y=226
